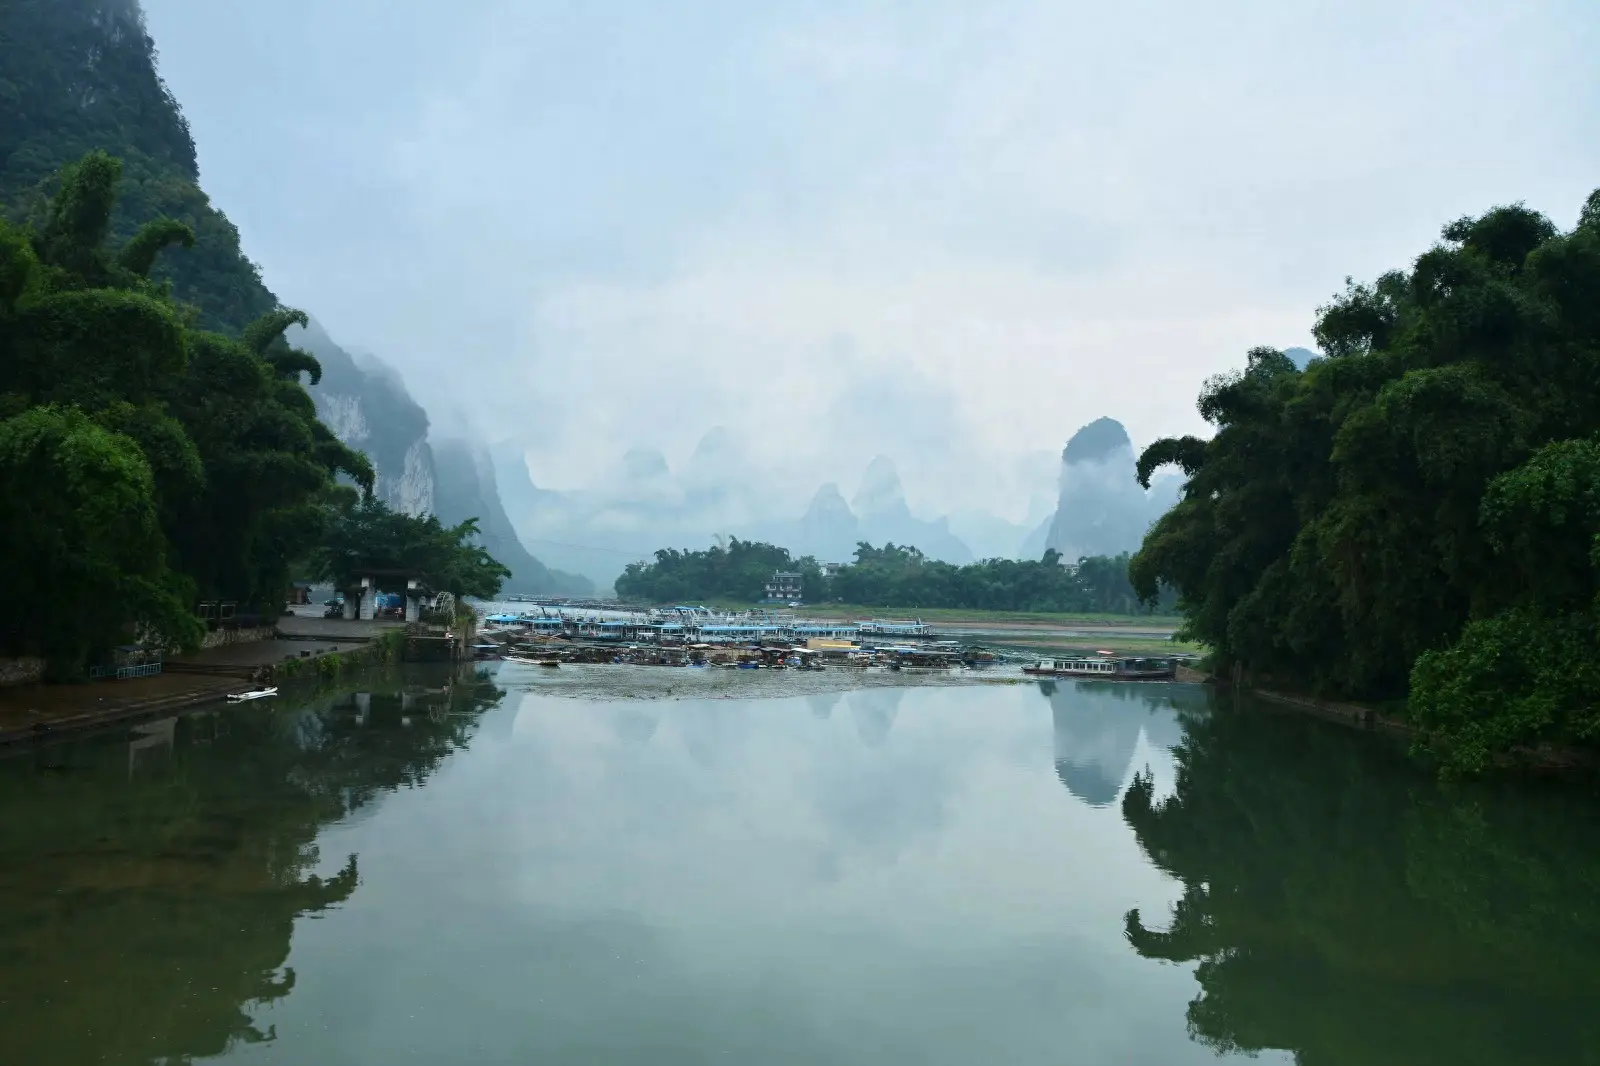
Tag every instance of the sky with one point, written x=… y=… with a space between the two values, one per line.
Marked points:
x=948 y=232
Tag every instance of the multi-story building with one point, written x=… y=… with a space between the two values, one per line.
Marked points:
x=784 y=587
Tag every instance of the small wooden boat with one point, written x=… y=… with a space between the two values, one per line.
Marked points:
x=253 y=694
x=527 y=660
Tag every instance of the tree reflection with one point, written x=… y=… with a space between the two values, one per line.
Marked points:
x=1344 y=906
x=146 y=904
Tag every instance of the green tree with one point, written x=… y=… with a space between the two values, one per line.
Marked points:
x=893 y=575
x=207 y=448
x=370 y=537
x=78 y=520
x=1348 y=524
x=737 y=571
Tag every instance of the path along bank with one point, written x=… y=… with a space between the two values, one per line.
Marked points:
x=299 y=650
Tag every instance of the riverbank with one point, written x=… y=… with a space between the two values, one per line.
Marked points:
x=1545 y=758
x=301 y=655
x=39 y=711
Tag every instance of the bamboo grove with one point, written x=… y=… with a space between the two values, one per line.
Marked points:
x=1413 y=518
x=144 y=463
x=147 y=464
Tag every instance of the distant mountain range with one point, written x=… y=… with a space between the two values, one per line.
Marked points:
x=642 y=504
x=366 y=404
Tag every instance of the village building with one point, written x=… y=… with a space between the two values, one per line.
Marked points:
x=783 y=586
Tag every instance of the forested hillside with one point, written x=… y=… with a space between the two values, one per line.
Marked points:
x=80 y=75
x=1414 y=516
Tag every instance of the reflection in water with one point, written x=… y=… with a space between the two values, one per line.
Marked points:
x=728 y=880
x=1341 y=904
x=1097 y=726
x=150 y=739
x=874 y=711
x=141 y=921
x=823 y=703
x=636 y=723
x=712 y=729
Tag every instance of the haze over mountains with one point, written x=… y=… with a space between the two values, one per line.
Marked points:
x=1089 y=504
x=894 y=423
x=1085 y=502
x=366 y=404
x=642 y=504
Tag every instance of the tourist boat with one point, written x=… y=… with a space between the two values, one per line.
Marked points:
x=254 y=694
x=1107 y=667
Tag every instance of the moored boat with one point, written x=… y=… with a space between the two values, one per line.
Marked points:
x=1109 y=668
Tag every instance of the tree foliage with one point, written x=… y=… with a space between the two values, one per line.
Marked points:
x=369 y=537
x=898 y=576
x=145 y=463
x=1417 y=508
x=79 y=522
x=890 y=576
x=99 y=315
x=737 y=571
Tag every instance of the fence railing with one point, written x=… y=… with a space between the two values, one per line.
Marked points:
x=123 y=673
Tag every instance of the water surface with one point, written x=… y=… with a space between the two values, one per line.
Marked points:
x=472 y=869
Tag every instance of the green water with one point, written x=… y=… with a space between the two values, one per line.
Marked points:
x=487 y=871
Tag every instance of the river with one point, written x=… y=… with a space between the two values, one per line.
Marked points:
x=491 y=869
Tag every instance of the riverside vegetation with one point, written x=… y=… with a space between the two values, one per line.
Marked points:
x=146 y=463
x=891 y=576
x=157 y=446
x=1413 y=518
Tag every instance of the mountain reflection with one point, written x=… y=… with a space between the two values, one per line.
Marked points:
x=1097 y=726
x=1341 y=904
x=148 y=890
x=874 y=711
x=636 y=724
x=823 y=703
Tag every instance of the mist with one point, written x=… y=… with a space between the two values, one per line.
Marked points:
x=589 y=238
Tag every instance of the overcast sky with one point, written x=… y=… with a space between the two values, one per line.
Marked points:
x=953 y=232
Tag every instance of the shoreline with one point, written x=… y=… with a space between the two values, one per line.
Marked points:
x=22 y=721
x=1545 y=759
x=39 y=711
